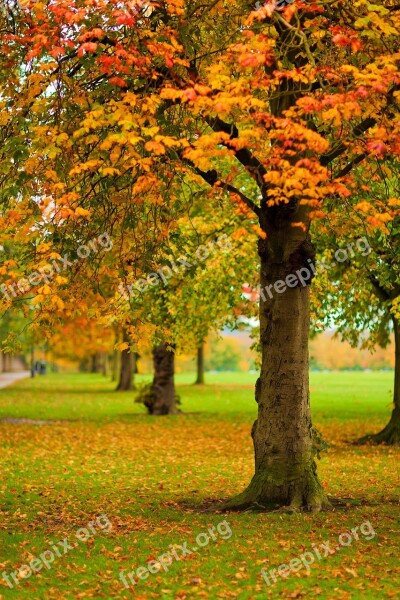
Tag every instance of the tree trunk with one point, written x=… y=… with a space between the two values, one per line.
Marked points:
x=104 y=365
x=200 y=365
x=136 y=357
x=95 y=366
x=125 y=382
x=32 y=361
x=116 y=358
x=285 y=470
x=391 y=433
x=161 y=399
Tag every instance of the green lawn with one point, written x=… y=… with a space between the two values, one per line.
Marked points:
x=152 y=477
x=334 y=396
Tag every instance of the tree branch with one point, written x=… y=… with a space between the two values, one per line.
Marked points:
x=211 y=177
x=253 y=166
x=351 y=164
x=358 y=131
x=336 y=151
x=379 y=291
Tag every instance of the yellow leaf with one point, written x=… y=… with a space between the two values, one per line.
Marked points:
x=60 y=279
x=155 y=147
x=363 y=206
x=81 y=212
x=38 y=299
x=110 y=171
x=45 y=290
x=121 y=346
x=56 y=300
x=44 y=246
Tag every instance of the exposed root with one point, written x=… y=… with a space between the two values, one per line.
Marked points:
x=304 y=495
x=390 y=435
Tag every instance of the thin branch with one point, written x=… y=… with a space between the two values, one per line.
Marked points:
x=340 y=148
x=254 y=167
x=379 y=291
x=358 y=131
x=211 y=177
x=246 y=200
x=350 y=165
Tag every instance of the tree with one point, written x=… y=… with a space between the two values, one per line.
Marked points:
x=189 y=293
x=224 y=356
x=127 y=365
x=200 y=365
x=80 y=339
x=275 y=107
x=360 y=294
x=161 y=399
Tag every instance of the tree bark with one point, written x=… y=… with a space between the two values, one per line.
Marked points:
x=125 y=382
x=95 y=363
x=161 y=399
x=104 y=364
x=136 y=357
x=32 y=361
x=115 y=365
x=200 y=365
x=285 y=470
x=391 y=433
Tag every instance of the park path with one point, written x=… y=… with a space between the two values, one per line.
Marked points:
x=9 y=378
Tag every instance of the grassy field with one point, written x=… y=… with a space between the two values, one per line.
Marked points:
x=99 y=454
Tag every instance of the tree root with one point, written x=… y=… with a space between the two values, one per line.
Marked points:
x=390 y=435
x=304 y=495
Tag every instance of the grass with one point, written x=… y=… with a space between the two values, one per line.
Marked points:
x=151 y=477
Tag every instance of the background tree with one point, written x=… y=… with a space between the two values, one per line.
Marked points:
x=360 y=295
x=192 y=290
x=127 y=364
x=200 y=380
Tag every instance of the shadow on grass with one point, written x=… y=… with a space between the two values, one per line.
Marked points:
x=216 y=505
x=126 y=417
x=60 y=392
